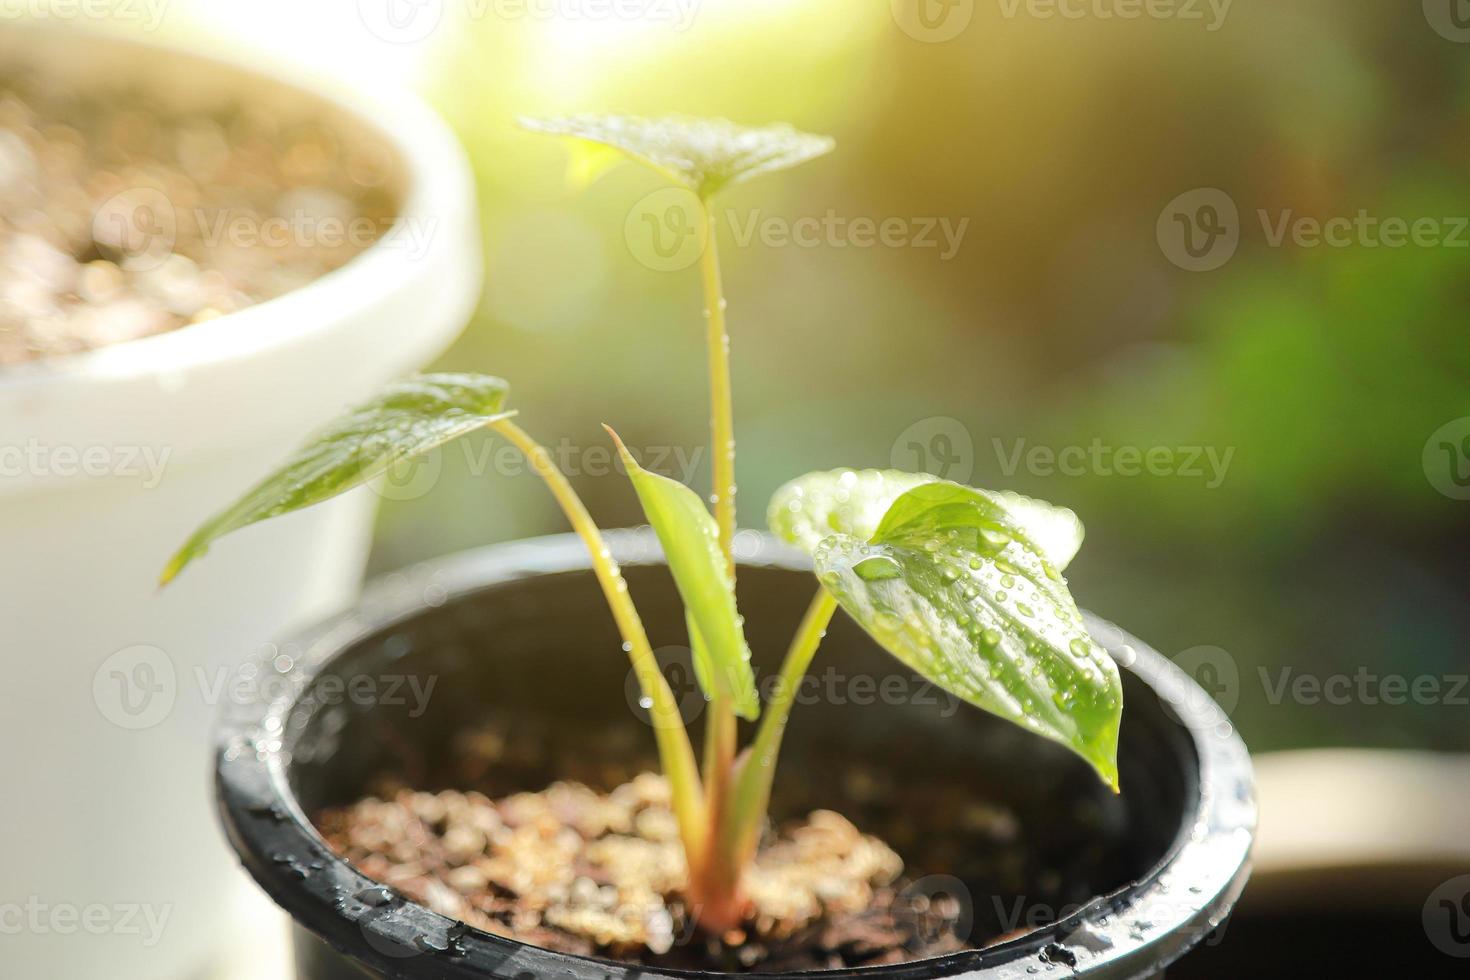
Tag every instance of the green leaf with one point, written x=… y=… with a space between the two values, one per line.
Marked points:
x=1057 y=531
x=953 y=582
x=407 y=419
x=704 y=155
x=691 y=543
x=808 y=509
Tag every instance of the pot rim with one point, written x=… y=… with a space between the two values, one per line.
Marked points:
x=1132 y=931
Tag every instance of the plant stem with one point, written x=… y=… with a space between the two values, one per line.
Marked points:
x=722 y=411
x=740 y=825
x=720 y=724
x=674 y=749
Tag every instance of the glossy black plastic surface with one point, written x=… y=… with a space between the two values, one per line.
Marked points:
x=522 y=628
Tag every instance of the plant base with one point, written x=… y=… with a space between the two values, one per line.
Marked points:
x=577 y=871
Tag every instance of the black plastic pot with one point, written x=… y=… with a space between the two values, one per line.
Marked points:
x=1134 y=880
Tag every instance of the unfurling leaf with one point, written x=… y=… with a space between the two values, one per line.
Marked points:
x=956 y=583
x=809 y=508
x=406 y=420
x=691 y=543
x=704 y=155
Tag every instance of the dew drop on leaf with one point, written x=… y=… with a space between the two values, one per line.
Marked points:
x=877 y=568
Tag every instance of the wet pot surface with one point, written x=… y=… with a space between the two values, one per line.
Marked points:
x=518 y=641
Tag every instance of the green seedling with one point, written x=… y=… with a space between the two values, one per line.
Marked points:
x=963 y=585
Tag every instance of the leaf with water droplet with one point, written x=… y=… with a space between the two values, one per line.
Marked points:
x=406 y=420
x=1029 y=661
x=704 y=155
x=691 y=543
x=853 y=502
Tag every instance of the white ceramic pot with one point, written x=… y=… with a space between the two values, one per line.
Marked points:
x=111 y=862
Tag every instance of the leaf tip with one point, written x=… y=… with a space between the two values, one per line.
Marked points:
x=172 y=569
x=748 y=708
x=622 y=449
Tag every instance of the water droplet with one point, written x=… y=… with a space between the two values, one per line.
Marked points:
x=877 y=568
x=376 y=896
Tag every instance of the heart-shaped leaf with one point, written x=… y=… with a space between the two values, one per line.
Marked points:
x=407 y=419
x=704 y=155
x=853 y=502
x=691 y=543
x=964 y=586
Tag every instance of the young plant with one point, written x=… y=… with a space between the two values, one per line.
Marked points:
x=962 y=585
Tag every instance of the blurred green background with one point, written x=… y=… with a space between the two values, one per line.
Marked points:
x=1325 y=547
